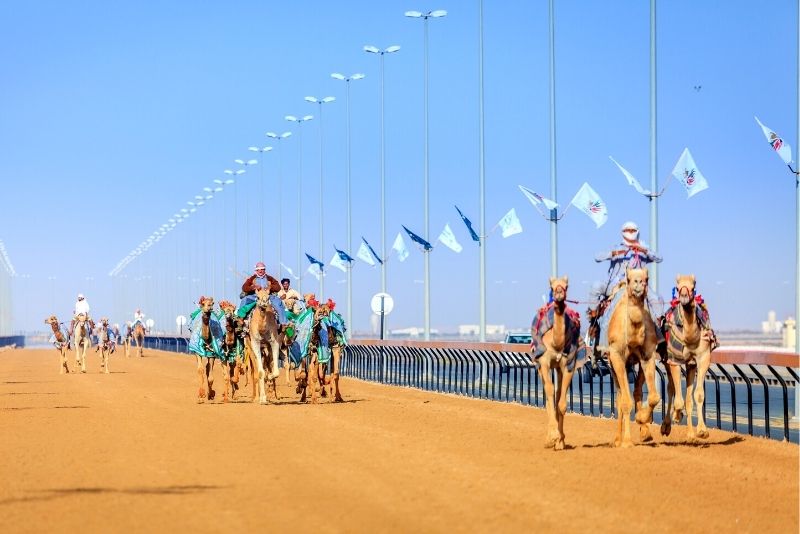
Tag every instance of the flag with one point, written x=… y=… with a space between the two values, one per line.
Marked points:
x=510 y=223
x=367 y=253
x=631 y=180
x=686 y=172
x=589 y=202
x=315 y=261
x=400 y=247
x=315 y=270
x=338 y=262
x=417 y=239
x=291 y=273
x=537 y=199
x=449 y=240
x=777 y=144
x=343 y=255
x=469 y=227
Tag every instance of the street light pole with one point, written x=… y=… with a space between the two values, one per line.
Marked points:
x=284 y=135
x=299 y=122
x=347 y=80
x=325 y=100
x=375 y=50
x=425 y=16
x=481 y=182
x=235 y=216
x=221 y=184
x=246 y=164
x=260 y=200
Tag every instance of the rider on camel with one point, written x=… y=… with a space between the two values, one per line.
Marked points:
x=81 y=307
x=138 y=317
x=260 y=279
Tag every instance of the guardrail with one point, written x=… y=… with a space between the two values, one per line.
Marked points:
x=749 y=390
x=6 y=341
x=752 y=391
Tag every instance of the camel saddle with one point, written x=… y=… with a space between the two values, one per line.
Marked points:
x=574 y=347
x=673 y=329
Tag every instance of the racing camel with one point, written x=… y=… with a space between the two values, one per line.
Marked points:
x=61 y=342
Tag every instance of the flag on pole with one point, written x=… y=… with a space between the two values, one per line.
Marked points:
x=631 y=180
x=589 y=202
x=418 y=240
x=777 y=144
x=469 y=227
x=536 y=199
x=315 y=261
x=686 y=172
x=343 y=255
x=399 y=246
x=291 y=273
x=315 y=270
x=338 y=262
x=368 y=252
x=449 y=240
x=510 y=223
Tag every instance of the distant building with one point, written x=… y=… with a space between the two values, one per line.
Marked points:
x=771 y=326
x=789 y=336
x=411 y=331
x=474 y=329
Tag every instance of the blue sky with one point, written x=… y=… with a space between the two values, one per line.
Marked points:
x=114 y=115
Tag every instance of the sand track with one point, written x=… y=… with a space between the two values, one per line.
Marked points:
x=133 y=451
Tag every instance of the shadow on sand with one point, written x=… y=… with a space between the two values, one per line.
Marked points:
x=52 y=494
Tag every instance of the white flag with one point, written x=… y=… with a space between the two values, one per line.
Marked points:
x=537 y=199
x=775 y=141
x=448 y=239
x=315 y=270
x=338 y=262
x=589 y=202
x=631 y=180
x=686 y=172
x=510 y=223
x=365 y=255
x=291 y=273
x=400 y=247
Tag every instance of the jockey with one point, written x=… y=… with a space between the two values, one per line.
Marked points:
x=630 y=253
x=81 y=307
x=289 y=295
x=260 y=279
x=138 y=317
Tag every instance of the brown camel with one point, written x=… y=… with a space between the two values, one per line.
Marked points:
x=206 y=359
x=312 y=368
x=557 y=344
x=232 y=350
x=632 y=338
x=60 y=341
x=690 y=341
x=138 y=337
x=264 y=344
x=104 y=344
x=81 y=340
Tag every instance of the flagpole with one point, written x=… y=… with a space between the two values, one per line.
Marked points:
x=653 y=154
x=797 y=215
x=482 y=180
x=553 y=184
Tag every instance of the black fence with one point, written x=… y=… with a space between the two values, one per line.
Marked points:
x=753 y=398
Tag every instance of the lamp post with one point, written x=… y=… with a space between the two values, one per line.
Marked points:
x=279 y=138
x=219 y=188
x=425 y=16
x=347 y=80
x=481 y=183
x=326 y=100
x=381 y=53
x=235 y=217
x=299 y=122
x=246 y=163
x=260 y=199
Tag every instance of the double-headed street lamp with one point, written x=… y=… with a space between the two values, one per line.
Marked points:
x=347 y=80
x=279 y=138
x=299 y=122
x=425 y=16
x=320 y=102
x=382 y=52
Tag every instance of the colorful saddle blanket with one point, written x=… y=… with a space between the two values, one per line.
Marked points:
x=674 y=329
x=574 y=347
x=196 y=345
x=303 y=324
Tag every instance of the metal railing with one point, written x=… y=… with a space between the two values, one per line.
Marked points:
x=6 y=341
x=745 y=391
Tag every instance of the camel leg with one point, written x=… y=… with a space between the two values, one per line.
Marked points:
x=552 y=435
x=201 y=371
x=648 y=367
x=691 y=375
x=666 y=424
x=564 y=380
x=127 y=348
x=624 y=401
x=337 y=361
x=274 y=348
x=226 y=374
x=256 y=348
x=703 y=363
x=83 y=358
x=313 y=371
x=104 y=353
x=638 y=390
x=210 y=377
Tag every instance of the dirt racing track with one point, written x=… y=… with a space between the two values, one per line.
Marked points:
x=132 y=451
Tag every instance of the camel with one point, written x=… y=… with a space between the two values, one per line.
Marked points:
x=204 y=344
x=556 y=343
x=61 y=342
x=264 y=344
x=104 y=344
x=81 y=340
x=324 y=352
x=138 y=337
x=690 y=341
x=232 y=350
x=632 y=338
x=126 y=340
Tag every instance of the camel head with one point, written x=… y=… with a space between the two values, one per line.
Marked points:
x=227 y=307
x=262 y=297
x=637 y=282
x=558 y=288
x=206 y=304
x=104 y=321
x=81 y=317
x=51 y=320
x=685 y=284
